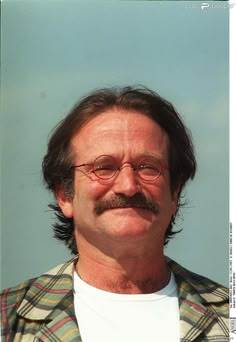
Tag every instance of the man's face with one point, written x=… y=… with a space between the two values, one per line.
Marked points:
x=127 y=137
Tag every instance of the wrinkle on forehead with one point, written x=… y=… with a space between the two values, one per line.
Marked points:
x=121 y=128
x=116 y=121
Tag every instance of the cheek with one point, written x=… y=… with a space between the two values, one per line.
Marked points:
x=87 y=192
x=161 y=193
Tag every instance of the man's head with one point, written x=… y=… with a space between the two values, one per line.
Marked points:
x=128 y=124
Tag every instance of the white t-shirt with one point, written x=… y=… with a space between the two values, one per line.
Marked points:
x=111 y=317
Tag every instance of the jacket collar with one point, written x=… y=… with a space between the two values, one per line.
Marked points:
x=46 y=294
x=50 y=299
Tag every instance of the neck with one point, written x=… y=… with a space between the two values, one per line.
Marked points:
x=131 y=274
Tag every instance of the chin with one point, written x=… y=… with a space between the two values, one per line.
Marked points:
x=127 y=235
x=128 y=222
x=129 y=229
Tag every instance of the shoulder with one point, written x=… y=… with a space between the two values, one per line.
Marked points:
x=182 y=273
x=10 y=300
x=12 y=297
x=32 y=299
x=208 y=291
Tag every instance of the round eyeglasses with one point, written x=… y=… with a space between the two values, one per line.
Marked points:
x=106 y=167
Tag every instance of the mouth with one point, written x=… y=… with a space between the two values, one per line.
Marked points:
x=130 y=207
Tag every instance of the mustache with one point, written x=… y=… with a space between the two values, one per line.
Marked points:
x=122 y=201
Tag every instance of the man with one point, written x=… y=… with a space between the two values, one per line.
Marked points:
x=117 y=165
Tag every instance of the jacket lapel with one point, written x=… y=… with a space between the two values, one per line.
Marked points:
x=198 y=296
x=194 y=319
x=49 y=306
x=63 y=327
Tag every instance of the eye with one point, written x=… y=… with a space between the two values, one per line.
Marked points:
x=104 y=167
x=148 y=169
x=147 y=166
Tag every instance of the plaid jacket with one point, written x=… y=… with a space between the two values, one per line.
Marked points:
x=42 y=309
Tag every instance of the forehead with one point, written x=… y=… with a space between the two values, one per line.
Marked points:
x=118 y=129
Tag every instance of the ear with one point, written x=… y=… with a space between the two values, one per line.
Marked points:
x=175 y=197
x=64 y=202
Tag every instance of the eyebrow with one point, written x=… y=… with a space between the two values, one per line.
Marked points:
x=156 y=155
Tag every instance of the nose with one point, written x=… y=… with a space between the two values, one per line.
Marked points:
x=126 y=182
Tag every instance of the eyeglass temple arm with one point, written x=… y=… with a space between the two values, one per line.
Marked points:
x=74 y=166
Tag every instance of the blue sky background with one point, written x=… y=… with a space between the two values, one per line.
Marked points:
x=53 y=52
